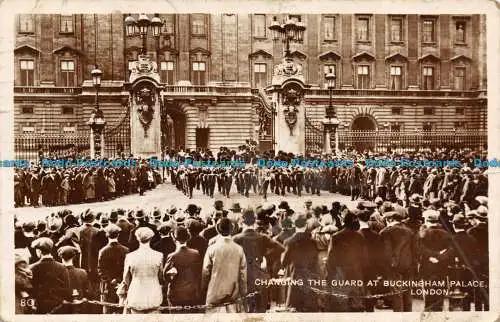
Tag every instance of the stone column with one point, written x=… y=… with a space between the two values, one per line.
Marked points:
x=102 y=144
x=92 y=144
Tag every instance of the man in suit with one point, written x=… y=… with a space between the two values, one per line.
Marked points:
x=374 y=268
x=224 y=274
x=110 y=265
x=182 y=272
x=256 y=247
x=465 y=253
x=51 y=284
x=300 y=262
x=435 y=246
x=196 y=241
x=347 y=257
x=400 y=253
x=78 y=279
x=140 y=221
x=479 y=231
x=165 y=244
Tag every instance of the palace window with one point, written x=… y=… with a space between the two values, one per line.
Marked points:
x=260 y=75
x=27 y=110
x=27 y=72
x=460 y=111
x=363 y=26
x=67 y=73
x=429 y=31
x=328 y=69
x=396 y=110
x=329 y=28
x=167 y=72
x=460 y=78
x=198 y=69
x=396 y=29
x=460 y=28
x=428 y=127
x=428 y=78
x=428 y=110
x=363 y=77
x=396 y=77
x=259 y=26
x=295 y=18
x=198 y=25
x=169 y=25
x=66 y=26
x=395 y=127
x=26 y=23
x=68 y=110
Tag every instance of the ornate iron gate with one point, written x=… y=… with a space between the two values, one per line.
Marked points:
x=314 y=140
x=117 y=139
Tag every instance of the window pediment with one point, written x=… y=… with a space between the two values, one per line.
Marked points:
x=396 y=57
x=264 y=54
x=68 y=49
x=329 y=55
x=363 y=56
x=460 y=58
x=27 y=49
x=298 y=54
x=198 y=51
x=429 y=57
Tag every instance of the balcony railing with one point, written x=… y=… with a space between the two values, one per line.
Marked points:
x=47 y=90
x=395 y=93
x=206 y=90
x=227 y=89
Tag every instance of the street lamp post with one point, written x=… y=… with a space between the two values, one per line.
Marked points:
x=331 y=122
x=96 y=121
x=288 y=31
x=142 y=25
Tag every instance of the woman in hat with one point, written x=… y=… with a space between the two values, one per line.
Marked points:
x=142 y=275
x=23 y=286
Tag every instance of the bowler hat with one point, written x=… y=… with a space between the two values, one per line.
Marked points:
x=166 y=227
x=139 y=214
x=191 y=209
x=283 y=205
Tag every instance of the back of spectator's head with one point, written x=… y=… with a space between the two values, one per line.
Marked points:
x=112 y=231
x=224 y=227
x=44 y=244
x=351 y=221
x=181 y=234
x=248 y=217
x=144 y=234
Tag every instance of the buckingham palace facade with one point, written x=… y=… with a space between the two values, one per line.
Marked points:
x=395 y=73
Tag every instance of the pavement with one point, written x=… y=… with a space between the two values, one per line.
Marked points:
x=166 y=195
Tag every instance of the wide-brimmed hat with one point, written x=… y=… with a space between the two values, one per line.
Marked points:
x=236 y=207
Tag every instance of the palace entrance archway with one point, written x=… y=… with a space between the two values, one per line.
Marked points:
x=363 y=128
x=173 y=127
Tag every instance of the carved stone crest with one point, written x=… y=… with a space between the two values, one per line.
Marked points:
x=291 y=117
x=145 y=101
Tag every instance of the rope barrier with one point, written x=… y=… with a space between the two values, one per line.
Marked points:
x=161 y=308
x=371 y=296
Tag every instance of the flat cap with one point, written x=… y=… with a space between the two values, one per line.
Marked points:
x=112 y=229
x=459 y=220
x=395 y=215
x=67 y=252
x=144 y=234
x=368 y=204
x=44 y=244
x=181 y=234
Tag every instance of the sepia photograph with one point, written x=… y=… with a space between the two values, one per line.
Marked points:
x=263 y=162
